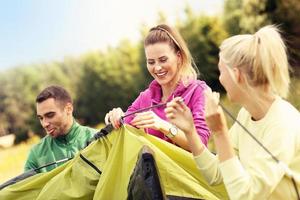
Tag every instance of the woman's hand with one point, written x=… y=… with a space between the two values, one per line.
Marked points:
x=180 y=115
x=114 y=117
x=148 y=120
x=214 y=115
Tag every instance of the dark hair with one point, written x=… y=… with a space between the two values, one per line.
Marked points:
x=56 y=92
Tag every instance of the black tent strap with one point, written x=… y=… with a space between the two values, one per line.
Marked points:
x=90 y=164
x=143 y=109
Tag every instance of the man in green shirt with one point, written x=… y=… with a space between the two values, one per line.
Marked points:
x=65 y=137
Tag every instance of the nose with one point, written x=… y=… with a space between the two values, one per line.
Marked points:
x=44 y=123
x=157 y=67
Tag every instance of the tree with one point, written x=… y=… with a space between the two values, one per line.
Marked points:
x=286 y=14
x=250 y=15
x=17 y=99
x=232 y=16
x=111 y=79
x=203 y=35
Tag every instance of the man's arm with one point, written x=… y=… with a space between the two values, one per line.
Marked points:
x=31 y=162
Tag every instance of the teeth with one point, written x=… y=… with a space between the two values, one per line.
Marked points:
x=161 y=74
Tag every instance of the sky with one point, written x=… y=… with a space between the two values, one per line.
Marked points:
x=36 y=31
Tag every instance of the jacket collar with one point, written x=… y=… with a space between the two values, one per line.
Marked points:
x=70 y=135
x=156 y=91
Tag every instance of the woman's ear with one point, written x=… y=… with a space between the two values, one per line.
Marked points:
x=238 y=75
x=179 y=57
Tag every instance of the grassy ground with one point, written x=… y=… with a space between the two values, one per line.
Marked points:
x=12 y=159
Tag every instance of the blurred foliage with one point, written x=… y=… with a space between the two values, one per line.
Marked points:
x=100 y=81
x=286 y=14
x=232 y=16
x=111 y=79
x=203 y=35
x=254 y=15
x=247 y=16
x=294 y=96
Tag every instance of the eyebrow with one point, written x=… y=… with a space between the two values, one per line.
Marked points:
x=158 y=58
x=46 y=114
x=162 y=57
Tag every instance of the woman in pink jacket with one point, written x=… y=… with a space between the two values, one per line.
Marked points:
x=171 y=65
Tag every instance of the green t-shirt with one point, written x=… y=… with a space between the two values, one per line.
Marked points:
x=54 y=149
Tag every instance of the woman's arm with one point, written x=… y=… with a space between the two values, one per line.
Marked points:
x=217 y=124
x=180 y=115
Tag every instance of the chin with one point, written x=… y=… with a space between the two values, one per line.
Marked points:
x=163 y=82
x=53 y=135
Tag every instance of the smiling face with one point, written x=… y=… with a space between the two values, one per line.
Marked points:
x=55 y=118
x=162 y=63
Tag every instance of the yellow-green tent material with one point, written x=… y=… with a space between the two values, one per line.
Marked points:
x=115 y=156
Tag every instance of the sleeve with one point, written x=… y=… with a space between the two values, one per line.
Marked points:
x=256 y=175
x=233 y=134
x=91 y=132
x=31 y=162
x=208 y=164
x=88 y=135
x=133 y=107
x=197 y=105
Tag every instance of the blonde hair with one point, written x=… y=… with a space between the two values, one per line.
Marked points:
x=164 y=33
x=262 y=56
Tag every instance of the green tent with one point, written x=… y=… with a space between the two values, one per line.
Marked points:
x=106 y=168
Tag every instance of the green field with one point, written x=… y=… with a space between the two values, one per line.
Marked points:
x=13 y=158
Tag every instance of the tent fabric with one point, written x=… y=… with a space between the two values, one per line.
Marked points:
x=111 y=162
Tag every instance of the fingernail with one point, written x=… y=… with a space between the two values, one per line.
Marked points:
x=181 y=100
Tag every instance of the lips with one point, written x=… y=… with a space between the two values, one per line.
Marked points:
x=50 y=131
x=161 y=74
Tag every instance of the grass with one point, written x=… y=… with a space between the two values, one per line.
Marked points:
x=13 y=159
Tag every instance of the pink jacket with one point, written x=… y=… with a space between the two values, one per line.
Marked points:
x=193 y=97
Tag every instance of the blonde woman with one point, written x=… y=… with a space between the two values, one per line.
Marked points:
x=254 y=72
x=170 y=64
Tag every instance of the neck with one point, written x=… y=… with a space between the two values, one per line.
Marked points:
x=258 y=103
x=167 y=90
x=68 y=126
